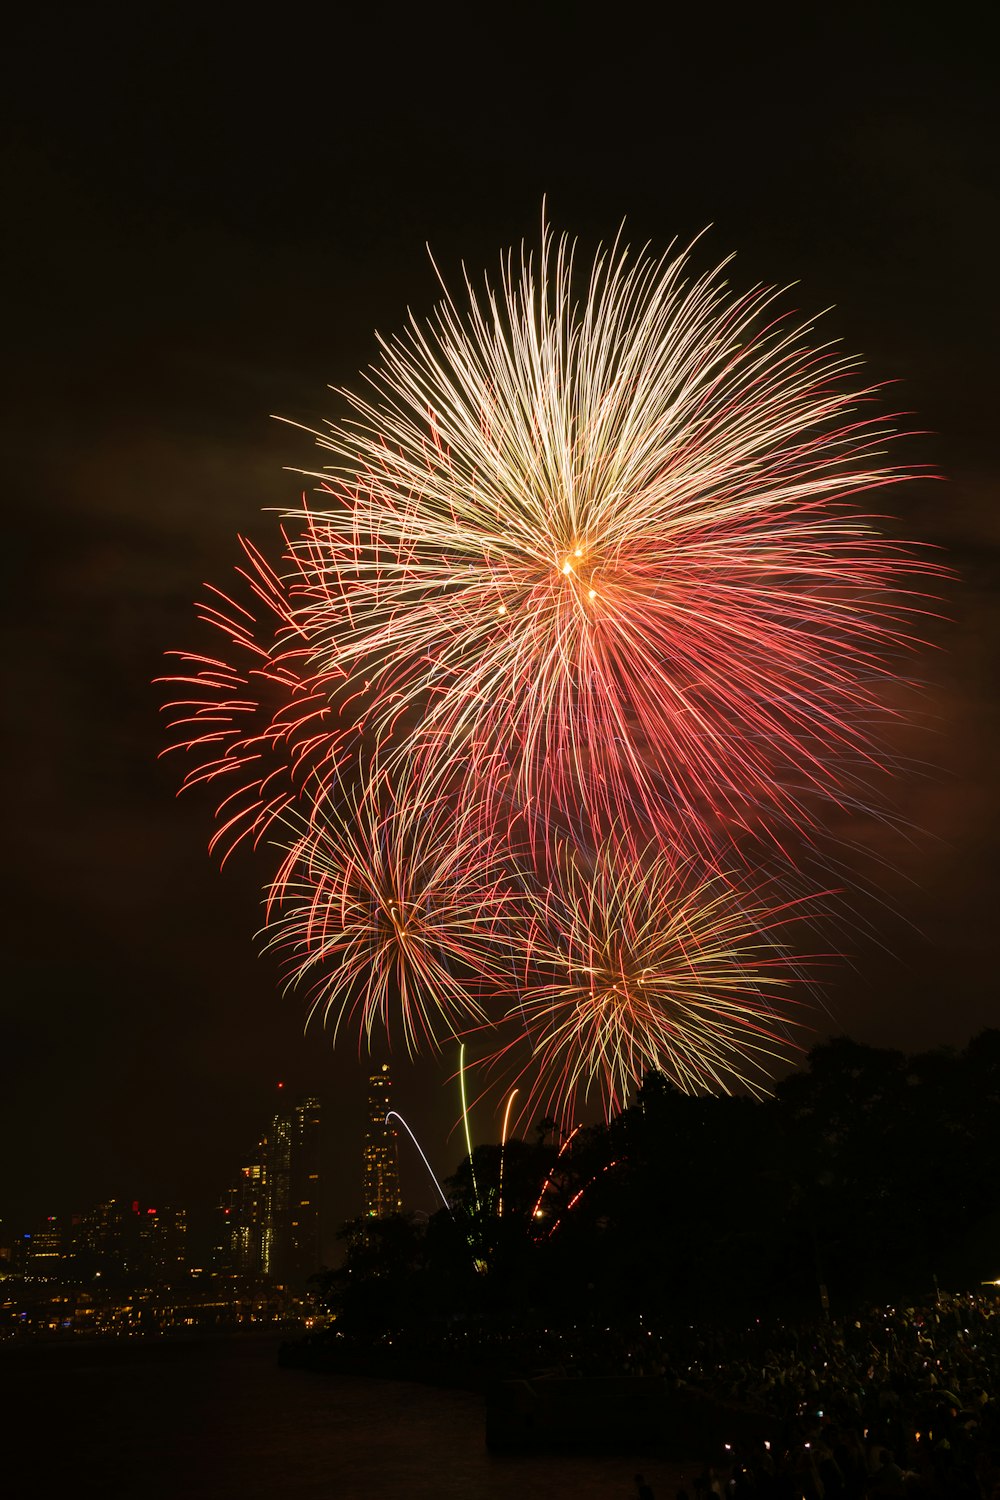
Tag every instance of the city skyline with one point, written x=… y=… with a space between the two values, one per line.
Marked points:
x=350 y=1188
x=266 y=1225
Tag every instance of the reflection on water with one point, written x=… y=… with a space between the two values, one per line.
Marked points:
x=222 y=1420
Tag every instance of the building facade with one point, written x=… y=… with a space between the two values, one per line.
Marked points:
x=304 y=1250
x=269 y=1220
x=381 y=1157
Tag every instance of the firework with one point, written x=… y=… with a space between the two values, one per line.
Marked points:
x=257 y=718
x=390 y=915
x=588 y=608
x=630 y=967
x=600 y=550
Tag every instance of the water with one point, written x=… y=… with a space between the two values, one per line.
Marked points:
x=218 y=1419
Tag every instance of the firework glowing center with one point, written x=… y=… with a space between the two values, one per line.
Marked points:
x=623 y=1000
x=583 y=632
x=580 y=570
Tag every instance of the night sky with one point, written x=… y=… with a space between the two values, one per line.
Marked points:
x=208 y=222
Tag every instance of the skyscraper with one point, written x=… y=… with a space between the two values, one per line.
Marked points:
x=275 y=1152
x=269 y=1221
x=43 y=1250
x=163 y=1245
x=246 y=1201
x=381 y=1154
x=304 y=1251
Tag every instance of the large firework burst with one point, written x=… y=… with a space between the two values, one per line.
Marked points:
x=600 y=549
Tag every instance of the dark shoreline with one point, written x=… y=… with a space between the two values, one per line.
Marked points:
x=449 y=1372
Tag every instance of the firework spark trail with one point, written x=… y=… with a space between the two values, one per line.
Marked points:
x=503 y=1143
x=572 y=1203
x=390 y=914
x=259 y=719
x=608 y=547
x=465 y=1121
x=395 y=1115
x=631 y=967
x=536 y=1212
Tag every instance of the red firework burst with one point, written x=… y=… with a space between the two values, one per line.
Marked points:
x=259 y=719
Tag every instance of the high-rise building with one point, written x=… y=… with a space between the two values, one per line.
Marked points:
x=304 y=1246
x=163 y=1245
x=276 y=1158
x=43 y=1250
x=381 y=1152
x=269 y=1221
x=106 y=1242
x=222 y=1254
x=247 y=1202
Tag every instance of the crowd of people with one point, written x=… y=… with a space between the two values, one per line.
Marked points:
x=895 y=1401
x=898 y=1401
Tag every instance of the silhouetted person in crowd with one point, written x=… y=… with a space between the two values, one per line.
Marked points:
x=643 y=1489
x=887 y=1476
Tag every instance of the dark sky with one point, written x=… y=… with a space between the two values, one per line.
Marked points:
x=209 y=219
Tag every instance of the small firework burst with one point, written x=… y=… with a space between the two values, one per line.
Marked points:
x=631 y=966
x=391 y=915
